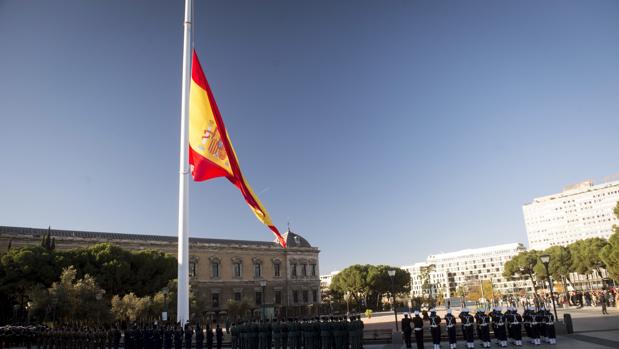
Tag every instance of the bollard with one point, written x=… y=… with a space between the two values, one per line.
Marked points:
x=569 y=326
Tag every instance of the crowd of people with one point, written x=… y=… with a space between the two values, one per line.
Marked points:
x=325 y=333
x=506 y=326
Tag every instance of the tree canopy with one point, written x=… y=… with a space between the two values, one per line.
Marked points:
x=34 y=271
x=610 y=252
x=368 y=284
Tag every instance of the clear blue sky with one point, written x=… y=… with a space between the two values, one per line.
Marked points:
x=383 y=130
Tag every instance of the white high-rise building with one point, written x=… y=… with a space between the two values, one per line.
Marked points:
x=325 y=280
x=580 y=211
x=449 y=270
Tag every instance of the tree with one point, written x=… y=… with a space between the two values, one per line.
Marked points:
x=120 y=271
x=70 y=300
x=523 y=265
x=560 y=265
x=586 y=255
x=610 y=253
x=352 y=281
x=24 y=268
x=363 y=283
x=424 y=274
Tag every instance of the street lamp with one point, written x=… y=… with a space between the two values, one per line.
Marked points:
x=164 y=315
x=263 y=284
x=546 y=259
x=391 y=273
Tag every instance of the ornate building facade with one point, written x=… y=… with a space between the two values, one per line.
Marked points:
x=278 y=281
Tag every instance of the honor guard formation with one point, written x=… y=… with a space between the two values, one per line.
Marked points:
x=506 y=327
x=325 y=333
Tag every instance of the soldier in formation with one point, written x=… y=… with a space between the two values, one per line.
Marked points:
x=418 y=329
x=450 y=326
x=467 y=321
x=435 y=329
x=332 y=333
x=406 y=330
x=483 y=327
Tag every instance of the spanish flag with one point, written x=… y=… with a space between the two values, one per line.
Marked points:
x=210 y=151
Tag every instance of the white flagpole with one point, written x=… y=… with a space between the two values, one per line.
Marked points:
x=182 y=303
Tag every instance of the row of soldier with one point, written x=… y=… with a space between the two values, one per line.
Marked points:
x=538 y=325
x=325 y=333
x=153 y=336
x=328 y=333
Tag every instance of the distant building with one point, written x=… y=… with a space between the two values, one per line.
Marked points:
x=325 y=280
x=579 y=212
x=447 y=271
x=225 y=270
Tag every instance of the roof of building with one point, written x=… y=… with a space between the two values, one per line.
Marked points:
x=295 y=240
x=477 y=251
x=299 y=241
x=574 y=189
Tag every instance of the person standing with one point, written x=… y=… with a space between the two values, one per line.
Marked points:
x=450 y=325
x=418 y=329
x=515 y=326
x=188 y=335
x=199 y=337
x=407 y=330
x=276 y=335
x=435 y=329
x=209 y=337
x=167 y=337
x=467 y=327
x=178 y=337
x=483 y=321
x=604 y=300
x=219 y=336
x=550 y=327
x=498 y=325
x=284 y=330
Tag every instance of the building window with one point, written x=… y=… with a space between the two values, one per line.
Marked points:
x=305 y=296
x=314 y=296
x=237 y=296
x=313 y=269
x=257 y=270
x=258 y=298
x=276 y=270
x=295 y=296
x=236 y=269
x=215 y=269
x=192 y=269
x=278 y=297
x=304 y=270
x=294 y=270
x=215 y=300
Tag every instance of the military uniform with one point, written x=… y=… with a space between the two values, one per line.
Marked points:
x=435 y=329
x=450 y=325
x=219 y=336
x=467 y=321
x=418 y=330
x=199 y=337
x=514 y=325
x=550 y=327
x=407 y=331
x=498 y=325
x=483 y=327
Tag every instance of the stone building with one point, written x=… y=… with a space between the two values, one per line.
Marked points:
x=278 y=281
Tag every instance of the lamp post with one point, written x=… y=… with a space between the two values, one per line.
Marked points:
x=164 y=315
x=395 y=310
x=546 y=259
x=263 y=284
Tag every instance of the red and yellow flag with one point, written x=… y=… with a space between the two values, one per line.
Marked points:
x=210 y=151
